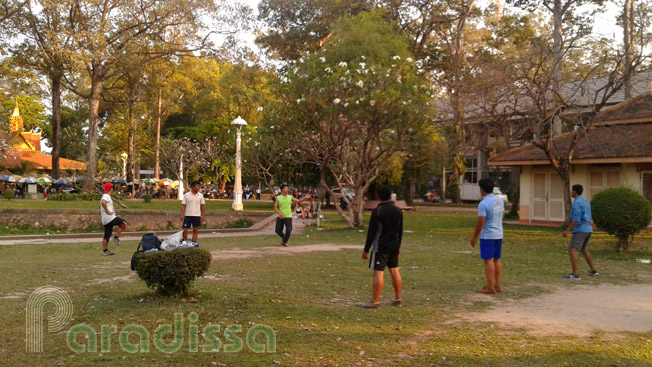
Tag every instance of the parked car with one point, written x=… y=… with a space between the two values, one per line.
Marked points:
x=65 y=189
x=337 y=195
x=470 y=193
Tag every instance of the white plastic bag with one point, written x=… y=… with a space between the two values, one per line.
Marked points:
x=172 y=241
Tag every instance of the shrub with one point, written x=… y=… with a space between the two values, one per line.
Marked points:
x=147 y=198
x=8 y=194
x=170 y=273
x=621 y=212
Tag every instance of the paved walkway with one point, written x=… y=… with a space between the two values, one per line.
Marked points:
x=264 y=227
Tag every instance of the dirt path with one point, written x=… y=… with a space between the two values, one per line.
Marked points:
x=576 y=311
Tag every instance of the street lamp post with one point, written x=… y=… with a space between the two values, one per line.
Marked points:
x=237 y=188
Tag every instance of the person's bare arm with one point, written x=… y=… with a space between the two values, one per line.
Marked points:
x=202 y=212
x=569 y=229
x=280 y=215
x=183 y=211
x=478 y=230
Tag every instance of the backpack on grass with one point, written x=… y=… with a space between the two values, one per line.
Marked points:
x=150 y=242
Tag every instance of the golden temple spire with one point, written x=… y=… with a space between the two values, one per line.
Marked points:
x=16 y=122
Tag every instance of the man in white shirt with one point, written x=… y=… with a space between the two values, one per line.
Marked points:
x=109 y=220
x=192 y=211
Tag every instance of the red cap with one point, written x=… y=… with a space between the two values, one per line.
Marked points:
x=107 y=187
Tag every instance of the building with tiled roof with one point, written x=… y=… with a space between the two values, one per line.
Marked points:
x=26 y=147
x=615 y=151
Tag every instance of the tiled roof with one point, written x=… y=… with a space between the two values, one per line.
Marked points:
x=578 y=96
x=622 y=133
x=41 y=161
x=615 y=143
x=637 y=109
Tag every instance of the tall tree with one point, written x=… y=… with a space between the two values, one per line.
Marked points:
x=106 y=34
x=354 y=107
x=46 y=48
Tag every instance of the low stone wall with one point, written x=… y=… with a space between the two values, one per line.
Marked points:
x=137 y=220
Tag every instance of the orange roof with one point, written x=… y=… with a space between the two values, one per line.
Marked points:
x=41 y=161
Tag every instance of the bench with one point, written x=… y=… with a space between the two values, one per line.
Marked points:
x=372 y=204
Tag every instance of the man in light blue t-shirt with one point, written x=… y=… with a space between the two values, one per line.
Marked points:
x=582 y=229
x=490 y=230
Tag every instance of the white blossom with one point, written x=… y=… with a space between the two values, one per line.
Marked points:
x=363 y=65
x=360 y=83
x=346 y=104
x=396 y=57
x=336 y=100
x=322 y=59
x=372 y=102
x=298 y=100
x=363 y=58
x=328 y=70
x=409 y=59
x=342 y=64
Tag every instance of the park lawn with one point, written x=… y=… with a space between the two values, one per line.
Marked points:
x=155 y=204
x=309 y=299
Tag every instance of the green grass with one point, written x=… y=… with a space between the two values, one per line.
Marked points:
x=309 y=300
x=214 y=205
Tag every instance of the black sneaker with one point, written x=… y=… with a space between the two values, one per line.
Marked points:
x=107 y=253
x=593 y=273
x=573 y=276
x=116 y=240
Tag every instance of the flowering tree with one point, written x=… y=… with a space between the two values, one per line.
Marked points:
x=184 y=151
x=350 y=118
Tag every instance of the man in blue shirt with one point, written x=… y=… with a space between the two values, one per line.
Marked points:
x=490 y=230
x=582 y=229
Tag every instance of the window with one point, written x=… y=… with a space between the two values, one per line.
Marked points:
x=602 y=179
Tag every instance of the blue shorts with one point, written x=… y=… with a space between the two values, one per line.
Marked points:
x=491 y=249
x=194 y=221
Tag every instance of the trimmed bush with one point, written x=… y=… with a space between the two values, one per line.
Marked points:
x=147 y=198
x=621 y=212
x=8 y=194
x=171 y=273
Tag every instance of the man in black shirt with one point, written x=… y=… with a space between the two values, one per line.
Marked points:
x=384 y=240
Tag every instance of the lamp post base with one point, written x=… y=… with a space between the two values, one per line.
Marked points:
x=238 y=207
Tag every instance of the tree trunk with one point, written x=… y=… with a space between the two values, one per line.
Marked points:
x=456 y=198
x=358 y=208
x=515 y=182
x=131 y=146
x=409 y=200
x=56 y=124
x=628 y=28
x=93 y=123
x=557 y=61
x=158 y=135
x=623 y=244
x=563 y=173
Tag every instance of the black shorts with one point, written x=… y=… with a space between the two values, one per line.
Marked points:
x=378 y=261
x=108 y=228
x=194 y=221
